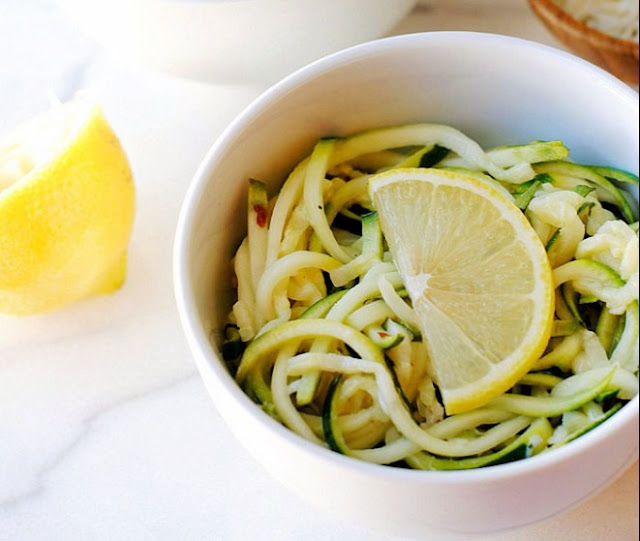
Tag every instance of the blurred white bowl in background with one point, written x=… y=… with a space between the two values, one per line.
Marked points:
x=232 y=41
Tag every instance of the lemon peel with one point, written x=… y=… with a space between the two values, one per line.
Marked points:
x=67 y=206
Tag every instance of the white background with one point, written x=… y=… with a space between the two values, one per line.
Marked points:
x=106 y=432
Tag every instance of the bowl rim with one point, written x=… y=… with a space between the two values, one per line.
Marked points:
x=208 y=360
x=555 y=15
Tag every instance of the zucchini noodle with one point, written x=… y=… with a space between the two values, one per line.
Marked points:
x=324 y=338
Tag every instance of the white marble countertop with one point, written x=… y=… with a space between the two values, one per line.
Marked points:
x=106 y=431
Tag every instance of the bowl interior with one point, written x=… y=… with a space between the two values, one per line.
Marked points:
x=470 y=81
x=496 y=89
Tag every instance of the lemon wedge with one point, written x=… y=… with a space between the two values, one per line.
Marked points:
x=66 y=209
x=477 y=274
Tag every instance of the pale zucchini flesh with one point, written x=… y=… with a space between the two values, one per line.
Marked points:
x=324 y=209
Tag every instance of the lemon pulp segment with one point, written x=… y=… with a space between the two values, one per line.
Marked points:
x=477 y=275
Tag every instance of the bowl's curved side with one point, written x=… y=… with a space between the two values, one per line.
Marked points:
x=497 y=89
x=411 y=503
x=617 y=56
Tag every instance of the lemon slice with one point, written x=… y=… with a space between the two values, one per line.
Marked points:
x=66 y=209
x=477 y=275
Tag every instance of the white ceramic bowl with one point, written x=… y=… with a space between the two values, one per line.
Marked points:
x=244 y=41
x=498 y=90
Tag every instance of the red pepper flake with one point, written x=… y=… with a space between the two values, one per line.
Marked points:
x=383 y=334
x=261 y=215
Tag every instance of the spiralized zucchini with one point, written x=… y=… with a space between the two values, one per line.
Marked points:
x=323 y=336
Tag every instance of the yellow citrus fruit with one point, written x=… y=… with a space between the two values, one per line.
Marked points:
x=477 y=275
x=66 y=209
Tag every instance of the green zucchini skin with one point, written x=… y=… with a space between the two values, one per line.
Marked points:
x=318 y=394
